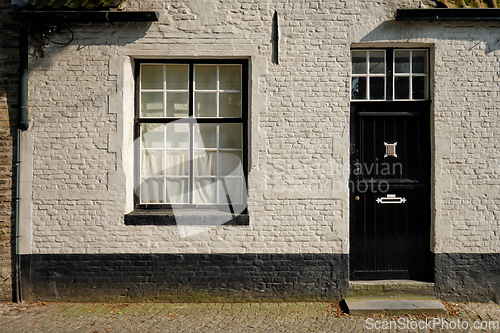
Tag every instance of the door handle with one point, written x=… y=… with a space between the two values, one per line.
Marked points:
x=391 y=198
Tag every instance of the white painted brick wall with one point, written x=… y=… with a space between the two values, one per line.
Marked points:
x=470 y=201
x=299 y=122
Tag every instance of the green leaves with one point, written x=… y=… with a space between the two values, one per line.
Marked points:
x=472 y=3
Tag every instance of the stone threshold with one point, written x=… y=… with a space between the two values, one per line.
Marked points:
x=392 y=297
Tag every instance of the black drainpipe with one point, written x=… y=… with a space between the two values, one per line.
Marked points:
x=22 y=125
x=22 y=115
x=23 y=122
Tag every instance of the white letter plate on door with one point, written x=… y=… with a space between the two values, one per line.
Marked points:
x=391 y=199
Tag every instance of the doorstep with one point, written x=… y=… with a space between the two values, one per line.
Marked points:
x=394 y=297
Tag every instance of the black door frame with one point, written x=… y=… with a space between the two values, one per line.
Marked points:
x=404 y=107
x=412 y=110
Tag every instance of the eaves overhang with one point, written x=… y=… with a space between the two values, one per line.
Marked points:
x=449 y=14
x=82 y=16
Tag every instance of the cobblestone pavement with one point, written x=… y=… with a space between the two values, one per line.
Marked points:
x=234 y=317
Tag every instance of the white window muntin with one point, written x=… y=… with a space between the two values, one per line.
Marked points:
x=368 y=75
x=163 y=177
x=410 y=75
x=165 y=91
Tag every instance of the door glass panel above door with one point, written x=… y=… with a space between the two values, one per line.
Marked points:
x=402 y=87
x=377 y=62
x=411 y=75
x=419 y=62
x=359 y=62
x=401 y=61
x=377 y=88
x=368 y=75
x=419 y=87
x=358 y=88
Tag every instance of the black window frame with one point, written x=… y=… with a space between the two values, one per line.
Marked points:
x=166 y=209
x=389 y=75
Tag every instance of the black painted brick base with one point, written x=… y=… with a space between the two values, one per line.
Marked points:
x=184 y=277
x=468 y=276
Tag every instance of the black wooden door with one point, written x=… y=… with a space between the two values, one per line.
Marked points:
x=390 y=201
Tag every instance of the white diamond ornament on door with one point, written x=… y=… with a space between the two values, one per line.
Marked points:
x=390 y=149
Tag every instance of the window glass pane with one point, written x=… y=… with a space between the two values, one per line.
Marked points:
x=177 y=104
x=402 y=61
x=358 y=88
x=177 y=190
x=205 y=190
x=152 y=77
x=177 y=77
x=230 y=77
x=152 y=163
x=205 y=77
x=230 y=163
x=231 y=187
x=152 y=190
x=177 y=163
x=166 y=172
x=419 y=87
x=377 y=88
x=419 y=61
x=152 y=104
x=153 y=135
x=359 y=62
x=402 y=87
x=177 y=135
x=205 y=104
x=231 y=136
x=377 y=62
x=205 y=163
x=230 y=105
x=205 y=136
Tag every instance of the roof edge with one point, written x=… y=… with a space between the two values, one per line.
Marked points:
x=83 y=16
x=69 y=4
x=449 y=14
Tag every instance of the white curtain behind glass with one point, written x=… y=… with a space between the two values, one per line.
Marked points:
x=205 y=164
x=177 y=164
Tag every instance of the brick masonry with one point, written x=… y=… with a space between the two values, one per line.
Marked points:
x=81 y=111
x=9 y=64
x=193 y=277
x=468 y=276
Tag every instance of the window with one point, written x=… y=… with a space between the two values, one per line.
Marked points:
x=390 y=74
x=191 y=130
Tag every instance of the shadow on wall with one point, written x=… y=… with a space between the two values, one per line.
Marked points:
x=45 y=44
x=415 y=31
x=47 y=41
